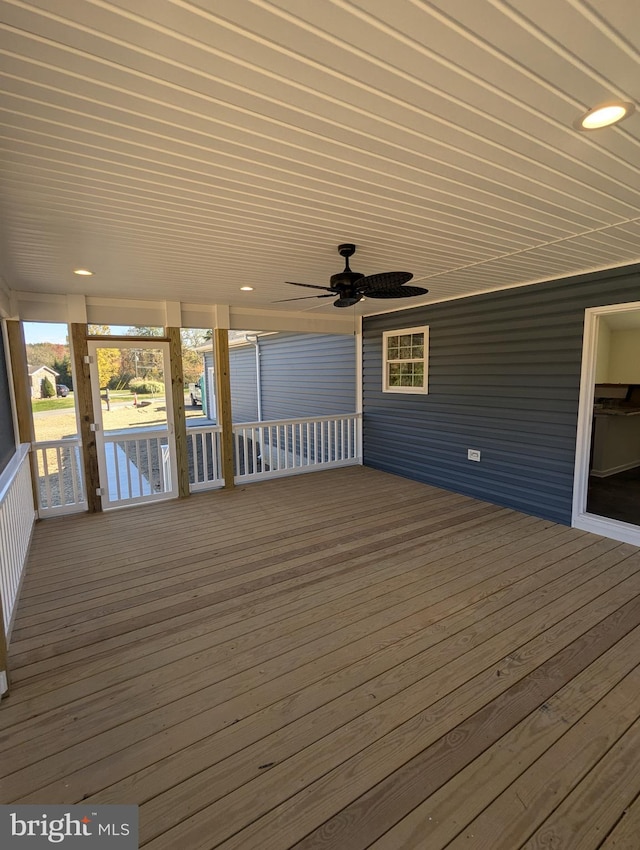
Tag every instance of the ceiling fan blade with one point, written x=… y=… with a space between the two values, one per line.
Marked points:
x=304 y=298
x=309 y=285
x=396 y=292
x=378 y=281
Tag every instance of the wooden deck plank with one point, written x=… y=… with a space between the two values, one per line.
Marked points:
x=523 y=807
x=591 y=810
x=206 y=689
x=194 y=539
x=234 y=635
x=624 y=835
x=292 y=597
x=267 y=572
x=262 y=599
x=335 y=655
x=322 y=707
x=379 y=534
x=332 y=774
x=442 y=815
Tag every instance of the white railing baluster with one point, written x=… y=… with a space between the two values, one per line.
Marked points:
x=47 y=477
x=291 y=446
x=254 y=448
x=17 y=516
x=68 y=497
x=287 y=446
x=204 y=445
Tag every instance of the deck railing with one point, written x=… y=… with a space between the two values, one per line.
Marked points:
x=17 y=516
x=272 y=449
x=291 y=446
x=203 y=449
x=138 y=464
x=60 y=480
x=134 y=463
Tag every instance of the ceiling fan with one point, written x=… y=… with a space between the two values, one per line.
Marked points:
x=351 y=287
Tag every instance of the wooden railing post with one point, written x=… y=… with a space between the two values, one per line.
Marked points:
x=22 y=395
x=82 y=389
x=223 y=398
x=180 y=425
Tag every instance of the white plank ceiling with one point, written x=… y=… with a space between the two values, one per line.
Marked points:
x=183 y=148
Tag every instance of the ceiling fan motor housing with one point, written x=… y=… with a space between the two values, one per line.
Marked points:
x=345 y=279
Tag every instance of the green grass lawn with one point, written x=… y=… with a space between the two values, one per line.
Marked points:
x=40 y=404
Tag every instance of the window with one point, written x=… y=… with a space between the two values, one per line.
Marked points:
x=405 y=357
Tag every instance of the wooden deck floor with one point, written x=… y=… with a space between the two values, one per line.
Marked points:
x=339 y=660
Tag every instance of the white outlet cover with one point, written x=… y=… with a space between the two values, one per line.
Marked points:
x=473 y=454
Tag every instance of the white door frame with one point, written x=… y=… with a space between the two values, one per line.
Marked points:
x=169 y=432
x=613 y=528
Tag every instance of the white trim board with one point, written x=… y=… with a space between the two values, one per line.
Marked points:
x=580 y=518
x=605 y=473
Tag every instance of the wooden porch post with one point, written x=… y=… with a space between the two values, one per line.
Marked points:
x=22 y=395
x=82 y=389
x=180 y=425
x=223 y=396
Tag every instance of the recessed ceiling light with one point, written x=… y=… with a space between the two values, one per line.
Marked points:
x=605 y=115
x=82 y=271
x=247 y=288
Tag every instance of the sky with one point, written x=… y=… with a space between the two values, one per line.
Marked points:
x=52 y=332
x=45 y=332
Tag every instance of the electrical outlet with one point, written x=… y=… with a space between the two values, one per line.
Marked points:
x=473 y=454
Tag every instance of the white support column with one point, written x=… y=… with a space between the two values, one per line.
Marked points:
x=76 y=309
x=173 y=314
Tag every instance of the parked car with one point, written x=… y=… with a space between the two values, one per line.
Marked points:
x=195 y=391
x=62 y=390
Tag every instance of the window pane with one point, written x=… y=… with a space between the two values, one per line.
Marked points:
x=393 y=348
x=405 y=355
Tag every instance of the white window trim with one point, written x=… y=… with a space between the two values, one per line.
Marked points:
x=424 y=329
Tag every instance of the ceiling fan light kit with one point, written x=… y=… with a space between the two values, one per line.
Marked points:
x=351 y=287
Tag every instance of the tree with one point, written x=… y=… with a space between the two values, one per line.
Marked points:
x=63 y=368
x=47 y=390
x=192 y=364
x=109 y=365
x=144 y=330
x=45 y=353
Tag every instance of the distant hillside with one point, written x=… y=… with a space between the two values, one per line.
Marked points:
x=46 y=353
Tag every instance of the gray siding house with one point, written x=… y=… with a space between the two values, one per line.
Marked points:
x=287 y=375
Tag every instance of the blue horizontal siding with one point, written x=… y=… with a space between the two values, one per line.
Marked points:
x=301 y=374
x=244 y=391
x=504 y=377
x=307 y=375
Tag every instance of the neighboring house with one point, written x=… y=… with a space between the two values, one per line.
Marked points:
x=286 y=375
x=36 y=376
